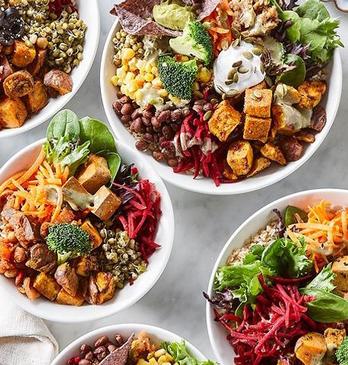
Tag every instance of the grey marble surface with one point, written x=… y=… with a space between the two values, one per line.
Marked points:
x=203 y=223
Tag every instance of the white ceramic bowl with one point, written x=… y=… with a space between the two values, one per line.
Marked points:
x=217 y=335
x=203 y=185
x=89 y=13
x=131 y=293
x=125 y=330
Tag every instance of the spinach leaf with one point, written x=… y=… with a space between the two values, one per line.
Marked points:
x=296 y=76
x=114 y=162
x=323 y=281
x=64 y=124
x=287 y=259
x=98 y=134
x=327 y=307
x=76 y=157
x=313 y=9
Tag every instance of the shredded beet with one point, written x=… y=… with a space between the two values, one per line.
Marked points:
x=57 y=6
x=271 y=329
x=195 y=143
x=140 y=215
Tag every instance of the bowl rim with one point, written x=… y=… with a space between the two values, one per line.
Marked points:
x=227 y=247
x=11 y=132
x=95 y=314
x=134 y=327
x=211 y=189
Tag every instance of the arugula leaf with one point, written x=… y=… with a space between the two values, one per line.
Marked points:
x=327 y=307
x=181 y=355
x=287 y=259
x=323 y=281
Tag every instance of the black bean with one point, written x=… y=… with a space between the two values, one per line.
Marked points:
x=164 y=116
x=117 y=105
x=101 y=341
x=147 y=114
x=137 y=126
x=136 y=113
x=146 y=121
x=126 y=118
x=127 y=109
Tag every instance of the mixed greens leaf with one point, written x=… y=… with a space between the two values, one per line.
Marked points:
x=323 y=281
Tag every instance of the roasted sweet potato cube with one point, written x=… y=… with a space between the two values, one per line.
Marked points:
x=13 y=113
x=256 y=128
x=94 y=174
x=67 y=299
x=23 y=55
x=224 y=120
x=311 y=348
x=340 y=269
x=85 y=265
x=109 y=288
x=59 y=81
x=229 y=174
x=46 y=286
x=334 y=338
x=35 y=67
x=240 y=157
x=260 y=164
x=105 y=203
x=258 y=102
x=311 y=93
x=273 y=153
x=38 y=98
x=18 y=84
x=102 y=280
x=94 y=235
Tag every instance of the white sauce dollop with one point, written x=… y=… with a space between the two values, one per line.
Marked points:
x=223 y=66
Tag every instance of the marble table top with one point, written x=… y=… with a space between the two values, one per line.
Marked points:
x=203 y=223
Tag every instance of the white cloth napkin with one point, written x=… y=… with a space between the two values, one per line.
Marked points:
x=24 y=339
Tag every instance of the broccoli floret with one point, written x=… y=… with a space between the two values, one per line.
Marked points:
x=342 y=353
x=68 y=241
x=194 y=41
x=177 y=77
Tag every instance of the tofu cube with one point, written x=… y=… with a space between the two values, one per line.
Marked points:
x=67 y=299
x=240 y=157
x=311 y=348
x=224 y=120
x=46 y=286
x=76 y=195
x=340 y=269
x=258 y=102
x=94 y=235
x=94 y=174
x=37 y=99
x=334 y=338
x=256 y=128
x=105 y=203
x=13 y=113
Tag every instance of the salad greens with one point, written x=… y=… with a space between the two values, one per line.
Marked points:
x=70 y=141
x=290 y=215
x=323 y=281
x=181 y=355
x=312 y=25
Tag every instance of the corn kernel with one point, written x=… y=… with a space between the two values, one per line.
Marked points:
x=130 y=76
x=157 y=83
x=114 y=80
x=162 y=359
x=153 y=361
x=149 y=77
x=148 y=67
x=132 y=86
x=150 y=354
x=167 y=363
x=154 y=70
x=138 y=95
x=128 y=53
x=125 y=67
x=163 y=93
x=160 y=352
x=204 y=75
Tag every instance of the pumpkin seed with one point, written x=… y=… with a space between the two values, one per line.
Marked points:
x=229 y=82
x=232 y=73
x=257 y=51
x=236 y=43
x=233 y=92
x=235 y=78
x=243 y=70
x=248 y=55
x=224 y=44
x=207 y=115
x=262 y=68
x=237 y=64
x=257 y=94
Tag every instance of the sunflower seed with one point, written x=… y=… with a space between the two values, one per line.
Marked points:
x=229 y=82
x=236 y=43
x=257 y=94
x=237 y=64
x=235 y=78
x=257 y=51
x=248 y=55
x=243 y=70
x=232 y=73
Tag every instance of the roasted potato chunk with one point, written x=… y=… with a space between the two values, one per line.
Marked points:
x=86 y=265
x=13 y=113
x=260 y=164
x=334 y=338
x=59 y=81
x=68 y=299
x=311 y=348
x=340 y=269
x=224 y=121
x=66 y=277
x=257 y=103
x=94 y=174
x=6 y=68
x=311 y=93
x=292 y=148
x=240 y=157
x=94 y=235
x=35 y=67
x=23 y=55
x=273 y=153
x=46 y=286
x=256 y=128
x=305 y=136
x=18 y=84
x=38 y=98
